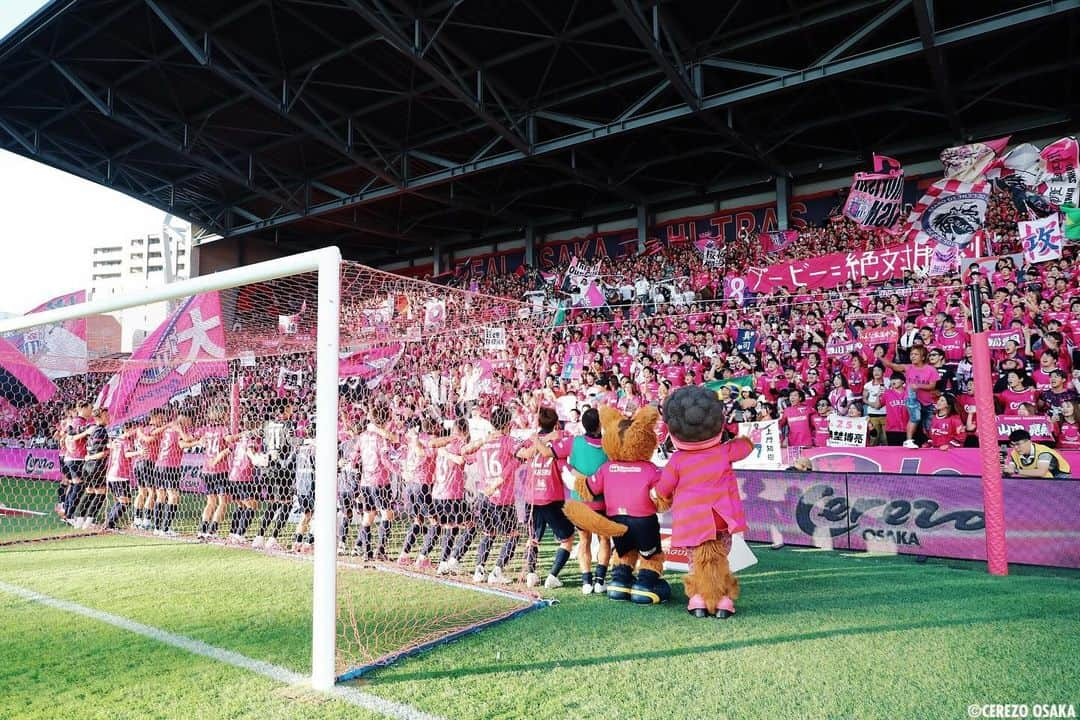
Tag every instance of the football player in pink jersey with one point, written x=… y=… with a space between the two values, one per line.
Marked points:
x=147 y=442
x=119 y=474
x=78 y=429
x=168 y=465
x=448 y=492
x=545 y=492
x=417 y=468
x=215 y=470
x=243 y=450
x=498 y=462
x=372 y=447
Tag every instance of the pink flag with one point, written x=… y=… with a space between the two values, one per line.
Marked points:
x=371 y=365
x=21 y=383
x=435 y=313
x=186 y=349
x=58 y=349
x=593 y=297
x=777 y=240
x=969 y=163
x=875 y=198
x=1060 y=156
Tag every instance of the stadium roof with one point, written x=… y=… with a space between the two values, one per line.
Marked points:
x=387 y=125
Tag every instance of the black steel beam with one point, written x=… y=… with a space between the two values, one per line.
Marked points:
x=396 y=38
x=924 y=17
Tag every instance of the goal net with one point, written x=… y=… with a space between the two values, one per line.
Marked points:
x=204 y=428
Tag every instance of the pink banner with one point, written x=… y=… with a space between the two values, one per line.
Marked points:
x=186 y=349
x=959 y=461
x=30 y=463
x=996 y=339
x=864 y=343
x=829 y=271
x=41 y=464
x=912 y=514
x=1038 y=425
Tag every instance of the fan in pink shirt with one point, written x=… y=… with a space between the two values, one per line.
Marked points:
x=796 y=418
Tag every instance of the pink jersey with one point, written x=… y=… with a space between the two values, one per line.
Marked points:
x=674 y=374
x=1041 y=380
x=625 y=487
x=150 y=445
x=418 y=465
x=896 y=411
x=119 y=462
x=820 y=424
x=952 y=345
x=76 y=449
x=1067 y=436
x=1012 y=400
x=170 y=454
x=372 y=448
x=449 y=476
x=241 y=469
x=498 y=462
x=797 y=419
x=922 y=375
x=212 y=440
x=545 y=484
x=948 y=430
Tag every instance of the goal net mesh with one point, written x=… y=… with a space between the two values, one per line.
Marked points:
x=194 y=420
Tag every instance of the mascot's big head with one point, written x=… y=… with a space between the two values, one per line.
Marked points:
x=694 y=416
x=629 y=439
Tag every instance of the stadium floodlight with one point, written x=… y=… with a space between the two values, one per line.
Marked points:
x=326 y=263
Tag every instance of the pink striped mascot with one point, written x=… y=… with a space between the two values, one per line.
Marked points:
x=706 y=507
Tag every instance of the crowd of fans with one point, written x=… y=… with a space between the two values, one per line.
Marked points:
x=435 y=423
x=666 y=323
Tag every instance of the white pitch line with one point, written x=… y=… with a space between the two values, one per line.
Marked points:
x=386 y=708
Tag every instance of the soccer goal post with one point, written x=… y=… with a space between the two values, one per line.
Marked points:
x=325 y=263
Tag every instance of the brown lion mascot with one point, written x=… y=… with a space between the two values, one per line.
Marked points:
x=626 y=481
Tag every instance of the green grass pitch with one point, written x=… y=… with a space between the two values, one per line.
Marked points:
x=818 y=635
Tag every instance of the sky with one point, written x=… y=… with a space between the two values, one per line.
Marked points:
x=49 y=219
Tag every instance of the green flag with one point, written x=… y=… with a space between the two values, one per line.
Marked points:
x=1071 y=225
x=739 y=382
x=560 y=316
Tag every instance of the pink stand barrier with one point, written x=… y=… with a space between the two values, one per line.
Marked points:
x=993 y=502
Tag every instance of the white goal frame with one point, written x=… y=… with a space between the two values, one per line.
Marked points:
x=326 y=262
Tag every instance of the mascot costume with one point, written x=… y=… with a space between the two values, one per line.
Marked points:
x=699 y=483
x=625 y=483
